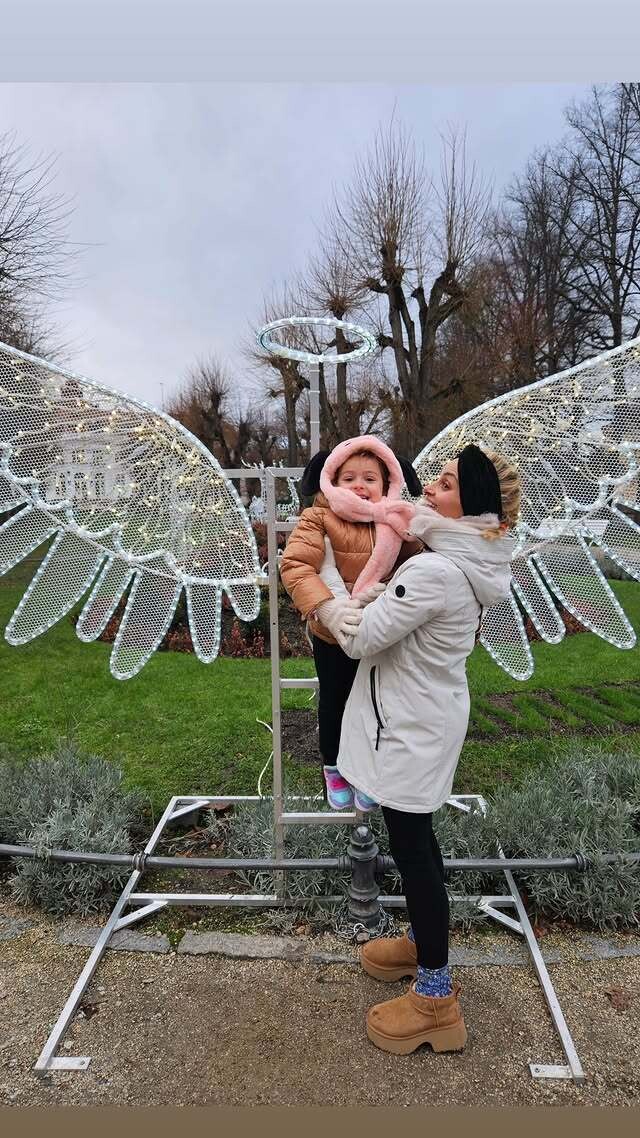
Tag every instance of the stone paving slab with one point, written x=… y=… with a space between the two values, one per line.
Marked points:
x=125 y=939
x=241 y=946
x=11 y=927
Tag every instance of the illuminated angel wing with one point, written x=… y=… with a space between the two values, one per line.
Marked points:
x=576 y=440
x=130 y=501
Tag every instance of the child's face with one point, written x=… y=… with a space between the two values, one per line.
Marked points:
x=362 y=475
x=443 y=495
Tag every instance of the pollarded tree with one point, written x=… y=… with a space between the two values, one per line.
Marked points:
x=415 y=247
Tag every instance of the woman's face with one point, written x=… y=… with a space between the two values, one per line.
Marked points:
x=443 y=495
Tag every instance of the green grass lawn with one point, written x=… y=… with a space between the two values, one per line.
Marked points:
x=180 y=727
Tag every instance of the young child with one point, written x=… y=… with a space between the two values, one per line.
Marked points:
x=357 y=489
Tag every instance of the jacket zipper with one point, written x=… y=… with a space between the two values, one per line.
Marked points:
x=372 y=683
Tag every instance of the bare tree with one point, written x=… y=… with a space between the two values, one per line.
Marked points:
x=202 y=405
x=34 y=249
x=27 y=329
x=605 y=233
x=35 y=254
x=331 y=287
x=265 y=439
x=236 y=436
x=415 y=248
x=533 y=293
x=285 y=380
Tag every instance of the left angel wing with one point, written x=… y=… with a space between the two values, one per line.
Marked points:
x=575 y=437
x=130 y=501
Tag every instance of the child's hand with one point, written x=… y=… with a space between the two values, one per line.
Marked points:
x=370 y=594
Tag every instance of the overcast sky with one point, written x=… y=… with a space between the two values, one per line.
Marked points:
x=191 y=201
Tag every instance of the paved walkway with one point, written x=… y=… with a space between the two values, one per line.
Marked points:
x=177 y=1028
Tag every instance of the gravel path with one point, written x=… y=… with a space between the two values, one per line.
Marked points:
x=176 y=1029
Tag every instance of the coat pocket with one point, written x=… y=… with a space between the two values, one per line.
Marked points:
x=375 y=700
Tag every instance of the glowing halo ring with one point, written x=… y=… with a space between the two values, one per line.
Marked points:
x=368 y=344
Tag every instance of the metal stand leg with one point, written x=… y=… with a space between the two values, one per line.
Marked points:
x=47 y=1060
x=547 y=1070
x=573 y=1070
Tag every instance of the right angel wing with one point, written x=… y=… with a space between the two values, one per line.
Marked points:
x=575 y=438
x=132 y=502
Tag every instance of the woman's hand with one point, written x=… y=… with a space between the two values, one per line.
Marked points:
x=341 y=616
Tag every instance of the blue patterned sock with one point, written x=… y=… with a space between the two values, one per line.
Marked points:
x=434 y=981
x=410 y=934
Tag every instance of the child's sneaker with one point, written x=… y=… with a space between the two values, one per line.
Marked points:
x=339 y=791
x=362 y=801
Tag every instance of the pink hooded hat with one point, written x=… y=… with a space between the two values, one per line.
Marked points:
x=391 y=515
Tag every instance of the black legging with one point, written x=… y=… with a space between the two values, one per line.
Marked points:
x=416 y=852
x=336 y=673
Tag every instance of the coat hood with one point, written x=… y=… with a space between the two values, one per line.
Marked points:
x=372 y=443
x=485 y=563
x=348 y=506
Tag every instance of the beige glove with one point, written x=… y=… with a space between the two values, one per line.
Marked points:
x=340 y=616
x=370 y=594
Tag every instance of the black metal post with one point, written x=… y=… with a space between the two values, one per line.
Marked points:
x=362 y=852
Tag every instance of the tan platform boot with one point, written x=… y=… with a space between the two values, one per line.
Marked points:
x=403 y=1024
x=389 y=958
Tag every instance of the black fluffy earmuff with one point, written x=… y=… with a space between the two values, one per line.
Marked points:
x=310 y=481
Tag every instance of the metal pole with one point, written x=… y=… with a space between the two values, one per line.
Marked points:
x=495 y=865
x=383 y=863
x=142 y=861
x=540 y=1069
x=364 y=906
x=314 y=410
x=274 y=643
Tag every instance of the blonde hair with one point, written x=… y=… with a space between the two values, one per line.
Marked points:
x=510 y=494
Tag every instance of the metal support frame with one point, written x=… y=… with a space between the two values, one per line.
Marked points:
x=364 y=898
x=365 y=902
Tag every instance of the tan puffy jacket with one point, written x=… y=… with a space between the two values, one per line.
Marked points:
x=302 y=559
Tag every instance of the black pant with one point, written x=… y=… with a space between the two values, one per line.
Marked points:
x=336 y=673
x=416 y=852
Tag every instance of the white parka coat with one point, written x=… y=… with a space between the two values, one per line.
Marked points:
x=407 y=715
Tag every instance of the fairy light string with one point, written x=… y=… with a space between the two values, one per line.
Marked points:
x=118 y=483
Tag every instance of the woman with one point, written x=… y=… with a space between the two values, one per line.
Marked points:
x=406 y=720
